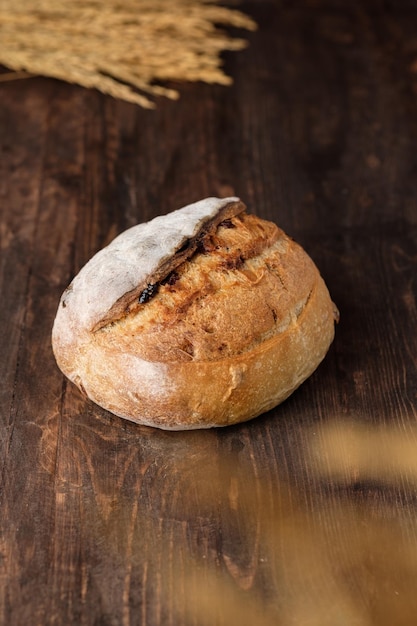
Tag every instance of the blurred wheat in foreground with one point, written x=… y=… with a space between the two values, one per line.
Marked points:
x=124 y=49
x=330 y=558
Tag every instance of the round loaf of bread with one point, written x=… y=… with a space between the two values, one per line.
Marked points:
x=203 y=317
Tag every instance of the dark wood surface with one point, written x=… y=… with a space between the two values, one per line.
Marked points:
x=307 y=515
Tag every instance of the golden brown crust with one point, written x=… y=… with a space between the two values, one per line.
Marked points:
x=227 y=335
x=189 y=394
x=235 y=293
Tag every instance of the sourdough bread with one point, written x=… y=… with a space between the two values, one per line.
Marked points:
x=206 y=316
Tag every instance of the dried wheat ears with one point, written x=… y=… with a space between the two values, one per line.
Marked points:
x=126 y=49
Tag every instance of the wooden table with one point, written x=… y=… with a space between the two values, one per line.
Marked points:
x=308 y=514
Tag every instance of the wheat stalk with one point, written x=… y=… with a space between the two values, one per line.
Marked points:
x=128 y=48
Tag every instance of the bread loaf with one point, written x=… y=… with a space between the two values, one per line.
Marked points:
x=203 y=317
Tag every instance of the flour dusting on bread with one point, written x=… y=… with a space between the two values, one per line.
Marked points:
x=135 y=259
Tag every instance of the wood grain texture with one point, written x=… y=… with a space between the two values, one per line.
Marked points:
x=308 y=514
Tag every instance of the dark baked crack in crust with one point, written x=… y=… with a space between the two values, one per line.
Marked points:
x=185 y=250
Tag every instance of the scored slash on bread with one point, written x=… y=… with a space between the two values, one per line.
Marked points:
x=139 y=257
x=202 y=317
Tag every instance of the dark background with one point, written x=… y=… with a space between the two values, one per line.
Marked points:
x=306 y=515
